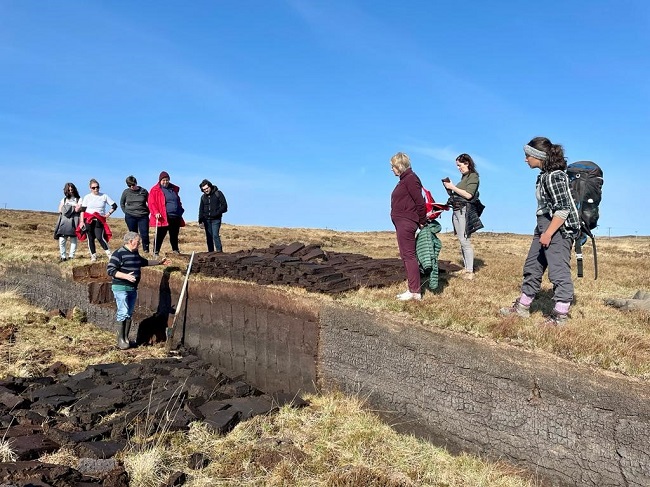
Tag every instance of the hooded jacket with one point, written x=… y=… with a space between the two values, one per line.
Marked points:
x=212 y=206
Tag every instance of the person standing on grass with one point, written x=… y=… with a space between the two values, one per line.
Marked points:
x=409 y=214
x=94 y=219
x=124 y=267
x=136 y=210
x=166 y=212
x=212 y=206
x=557 y=227
x=69 y=218
x=459 y=196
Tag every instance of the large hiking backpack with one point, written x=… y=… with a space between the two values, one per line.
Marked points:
x=586 y=183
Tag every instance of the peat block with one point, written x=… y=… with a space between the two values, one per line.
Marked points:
x=306 y=266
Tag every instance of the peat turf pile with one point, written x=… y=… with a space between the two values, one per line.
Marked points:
x=95 y=411
x=306 y=266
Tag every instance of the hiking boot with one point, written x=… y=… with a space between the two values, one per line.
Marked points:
x=63 y=259
x=93 y=257
x=176 y=252
x=555 y=319
x=516 y=309
x=408 y=296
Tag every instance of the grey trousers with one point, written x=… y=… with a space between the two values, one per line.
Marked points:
x=556 y=257
x=459 y=222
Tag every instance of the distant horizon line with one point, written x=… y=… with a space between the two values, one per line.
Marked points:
x=597 y=236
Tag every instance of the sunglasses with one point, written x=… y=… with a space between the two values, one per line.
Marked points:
x=94 y=187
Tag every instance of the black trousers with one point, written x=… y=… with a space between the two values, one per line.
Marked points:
x=95 y=231
x=173 y=228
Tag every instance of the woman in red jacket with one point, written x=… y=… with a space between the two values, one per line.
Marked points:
x=408 y=213
x=166 y=213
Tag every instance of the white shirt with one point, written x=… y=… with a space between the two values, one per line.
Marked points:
x=72 y=201
x=96 y=203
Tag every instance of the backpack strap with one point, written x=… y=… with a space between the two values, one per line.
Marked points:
x=593 y=244
x=582 y=237
x=578 y=248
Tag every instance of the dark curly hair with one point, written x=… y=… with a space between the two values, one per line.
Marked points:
x=554 y=154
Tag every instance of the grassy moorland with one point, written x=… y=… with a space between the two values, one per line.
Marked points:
x=597 y=335
x=335 y=441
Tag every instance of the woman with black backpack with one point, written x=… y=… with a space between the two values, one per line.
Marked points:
x=557 y=226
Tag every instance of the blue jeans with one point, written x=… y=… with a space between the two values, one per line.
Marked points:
x=212 y=238
x=125 y=301
x=139 y=224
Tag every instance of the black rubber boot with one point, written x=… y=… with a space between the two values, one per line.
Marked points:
x=127 y=330
x=122 y=337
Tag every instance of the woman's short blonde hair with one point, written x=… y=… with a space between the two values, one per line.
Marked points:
x=401 y=162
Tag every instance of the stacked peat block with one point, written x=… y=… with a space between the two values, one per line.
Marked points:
x=306 y=266
x=95 y=411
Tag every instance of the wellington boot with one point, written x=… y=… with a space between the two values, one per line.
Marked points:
x=127 y=330
x=122 y=337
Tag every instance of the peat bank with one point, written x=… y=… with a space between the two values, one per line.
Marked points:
x=570 y=425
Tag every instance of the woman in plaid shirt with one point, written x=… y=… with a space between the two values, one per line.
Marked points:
x=557 y=226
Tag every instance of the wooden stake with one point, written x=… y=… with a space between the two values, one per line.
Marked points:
x=170 y=329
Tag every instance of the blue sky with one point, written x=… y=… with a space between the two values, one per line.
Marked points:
x=294 y=108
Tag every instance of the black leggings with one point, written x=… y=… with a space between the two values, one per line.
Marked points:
x=95 y=231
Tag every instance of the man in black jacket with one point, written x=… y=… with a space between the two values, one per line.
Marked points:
x=213 y=204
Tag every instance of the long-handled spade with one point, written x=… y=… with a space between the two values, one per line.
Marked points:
x=170 y=328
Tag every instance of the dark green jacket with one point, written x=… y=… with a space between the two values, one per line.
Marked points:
x=427 y=249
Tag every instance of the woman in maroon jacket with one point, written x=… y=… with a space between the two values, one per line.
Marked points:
x=408 y=213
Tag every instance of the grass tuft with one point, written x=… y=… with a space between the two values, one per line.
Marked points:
x=64 y=456
x=147 y=468
x=7 y=454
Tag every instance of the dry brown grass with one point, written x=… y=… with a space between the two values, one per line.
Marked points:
x=32 y=341
x=334 y=442
x=597 y=335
